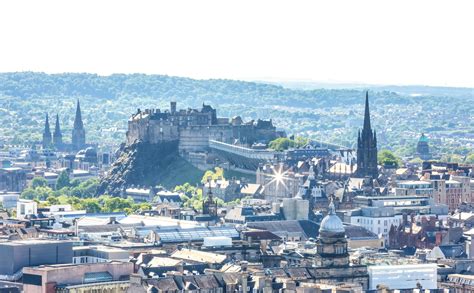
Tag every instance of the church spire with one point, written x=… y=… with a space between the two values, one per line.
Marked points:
x=367 y=112
x=57 y=136
x=78 y=119
x=78 y=132
x=367 y=147
x=46 y=133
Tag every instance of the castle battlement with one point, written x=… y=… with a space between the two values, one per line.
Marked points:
x=193 y=128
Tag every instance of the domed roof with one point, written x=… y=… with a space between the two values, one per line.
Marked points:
x=331 y=223
x=423 y=138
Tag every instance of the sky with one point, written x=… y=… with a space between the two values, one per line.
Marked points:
x=373 y=42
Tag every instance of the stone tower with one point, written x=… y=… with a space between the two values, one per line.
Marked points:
x=367 y=147
x=423 y=148
x=57 y=136
x=46 y=134
x=78 y=132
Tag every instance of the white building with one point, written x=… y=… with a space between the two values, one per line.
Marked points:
x=25 y=207
x=409 y=187
x=403 y=276
x=380 y=219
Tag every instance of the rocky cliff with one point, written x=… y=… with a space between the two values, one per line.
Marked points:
x=148 y=164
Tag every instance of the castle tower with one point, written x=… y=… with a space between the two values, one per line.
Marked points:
x=78 y=132
x=367 y=147
x=46 y=134
x=57 y=136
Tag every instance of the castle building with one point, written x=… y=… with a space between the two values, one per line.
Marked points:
x=333 y=256
x=46 y=134
x=367 y=147
x=57 y=136
x=194 y=128
x=78 y=132
x=422 y=148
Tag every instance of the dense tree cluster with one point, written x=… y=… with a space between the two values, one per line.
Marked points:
x=284 y=143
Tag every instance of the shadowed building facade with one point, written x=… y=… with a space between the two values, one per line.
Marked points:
x=367 y=147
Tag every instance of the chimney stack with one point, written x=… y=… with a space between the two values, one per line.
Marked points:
x=173 y=107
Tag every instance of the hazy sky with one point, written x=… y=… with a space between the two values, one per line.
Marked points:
x=387 y=42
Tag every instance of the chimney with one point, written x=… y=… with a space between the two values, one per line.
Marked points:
x=405 y=218
x=173 y=107
x=136 y=279
x=439 y=238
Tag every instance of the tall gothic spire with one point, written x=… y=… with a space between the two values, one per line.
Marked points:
x=78 y=132
x=78 y=119
x=46 y=133
x=57 y=136
x=46 y=126
x=367 y=146
x=57 y=129
x=367 y=112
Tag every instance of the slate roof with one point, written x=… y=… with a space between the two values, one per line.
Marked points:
x=359 y=233
x=309 y=228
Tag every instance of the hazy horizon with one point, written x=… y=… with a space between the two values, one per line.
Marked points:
x=357 y=42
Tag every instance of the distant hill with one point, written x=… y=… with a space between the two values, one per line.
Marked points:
x=400 y=113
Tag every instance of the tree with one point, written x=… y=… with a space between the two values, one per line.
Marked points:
x=38 y=193
x=38 y=182
x=469 y=159
x=214 y=175
x=52 y=200
x=91 y=205
x=63 y=180
x=284 y=143
x=281 y=144
x=387 y=158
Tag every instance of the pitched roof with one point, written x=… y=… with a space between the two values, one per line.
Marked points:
x=199 y=256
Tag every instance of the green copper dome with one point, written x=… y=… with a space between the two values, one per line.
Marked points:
x=423 y=138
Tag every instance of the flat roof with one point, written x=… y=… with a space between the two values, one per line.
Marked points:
x=33 y=241
x=71 y=265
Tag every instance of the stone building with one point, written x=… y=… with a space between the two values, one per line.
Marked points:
x=12 y=179
x=333 y=258
x=78 y=136
x=367 y=147
x=97 y=277
x=193 y=128
x=422 y=148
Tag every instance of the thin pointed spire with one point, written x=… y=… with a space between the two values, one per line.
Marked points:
x=57 y=137
x=367 y=112
x=46 y=133
x=57 y=128
x=46 y=125
x=78 y=132
x=78 y=119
